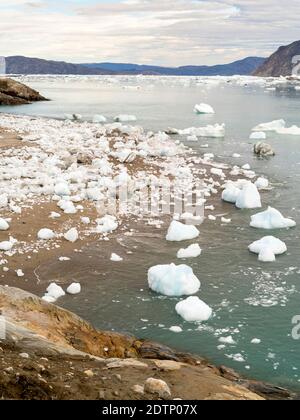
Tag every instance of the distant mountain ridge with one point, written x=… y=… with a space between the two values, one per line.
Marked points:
x=242 y=67
x=281 y=62
x=27 y=65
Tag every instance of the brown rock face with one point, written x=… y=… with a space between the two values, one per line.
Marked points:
x=281 y=62
x=15 y=93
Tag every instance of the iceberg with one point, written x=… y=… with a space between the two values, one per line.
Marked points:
x=172 y=280
x=262 y=183
x=193 y=251
x=271 y=219
x=249 y=197
x=46 y=234
x=259 y=135
x=230 y=194
x=125 y=118
x=270 y=126
x=180 y=232
x=3 y=224
x=74 y=289
x=193 y=309
x=267 y=248
x=203 y=109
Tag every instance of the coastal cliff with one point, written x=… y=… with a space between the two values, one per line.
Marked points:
x=49 y=353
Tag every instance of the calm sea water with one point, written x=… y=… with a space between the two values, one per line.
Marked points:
x=250 y=299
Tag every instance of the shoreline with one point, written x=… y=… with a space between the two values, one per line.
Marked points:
x=32 y=253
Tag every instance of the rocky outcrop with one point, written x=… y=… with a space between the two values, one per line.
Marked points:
x=281 y=63
x=263 y=149
x=47 y=352
x=16 y=93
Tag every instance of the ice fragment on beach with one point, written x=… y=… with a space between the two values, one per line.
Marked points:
x=180 y=232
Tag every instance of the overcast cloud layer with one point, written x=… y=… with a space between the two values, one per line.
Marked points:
x=164 y=32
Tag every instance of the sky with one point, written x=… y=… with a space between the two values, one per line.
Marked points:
x=162 y=32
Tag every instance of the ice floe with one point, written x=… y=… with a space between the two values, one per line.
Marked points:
x=193 y=309
x=53 y=293
x=267 y=248
x=72 y=235
x=46 y=234
x=203 y=109
x=271 y=219
x=74 y=289
x=180 y=232
x=3 y=224
x=193 y=251
x=172 y=280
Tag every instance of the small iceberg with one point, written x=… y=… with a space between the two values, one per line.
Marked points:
x=203 y=109
x=193 y=251
x=270 y=126
x=172 y=280
x=193 y=309
x=180 y=232
x=259 y=135
x=267 y=248
x=249 y=197
x=125 y=118
x=271 y=219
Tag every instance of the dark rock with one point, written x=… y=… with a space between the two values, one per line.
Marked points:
x=280 y=63
x=263 y=150
x=16 y=93
x=228 y=373
x=268 y=391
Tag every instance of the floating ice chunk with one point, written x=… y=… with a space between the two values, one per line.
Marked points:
x=227 y=340
x=99 y=119
x=3 y=200
x=176 y=329
x=193 y=251
x=271 y=219
x=94 y=194
x=20 y=273
x=266 y=255
x=192 y=138
x=255 y=341
x=72 y=235
x=226 y=221
x=125 y=118
x=107 y=224
x=6 y=245
x=290 y=131
x=193 y=309
x=267 y=248
x=203 y=109
x=258 y=135
x=3 y=224
x=236 y=155
x=218 y=172
x=115 y=258
x=249 y=197
x=217 y=130
x=74 y=289
x=54 y=292
x=230 y=194
x=62 y=189
x=180 y=232
x=271 y=126
x=46 y=234
x=247 y=167
x=172 y=280
x=54 y=215
x=85 y=220
x=262 y=183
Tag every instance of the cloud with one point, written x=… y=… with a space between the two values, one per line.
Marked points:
x=166 y=32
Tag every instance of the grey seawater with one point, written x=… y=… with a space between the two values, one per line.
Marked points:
x=249 y=299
